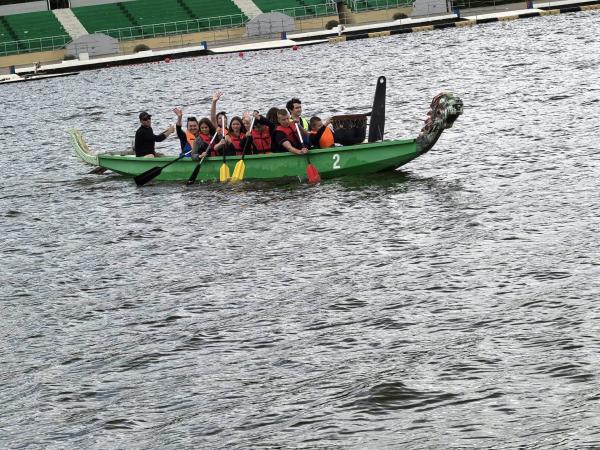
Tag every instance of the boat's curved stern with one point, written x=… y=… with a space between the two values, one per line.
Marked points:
x=81 y=149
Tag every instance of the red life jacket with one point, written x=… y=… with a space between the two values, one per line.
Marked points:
x=291 y=134
x=262 y=140
x=236 y=142
x=206 y=139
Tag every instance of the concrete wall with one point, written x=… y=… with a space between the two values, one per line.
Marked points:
x=27 y=59
x=382 y=15
x=21 y=8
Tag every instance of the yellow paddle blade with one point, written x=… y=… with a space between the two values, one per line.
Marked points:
x=224 y=173
x=238 y=171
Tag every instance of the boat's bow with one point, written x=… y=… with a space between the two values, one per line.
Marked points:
x=443 y=112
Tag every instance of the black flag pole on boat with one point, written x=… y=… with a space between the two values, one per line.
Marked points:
x=377 y=125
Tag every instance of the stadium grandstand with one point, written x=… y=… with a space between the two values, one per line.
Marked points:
x=39 y=25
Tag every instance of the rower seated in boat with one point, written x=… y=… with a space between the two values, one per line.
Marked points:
x=286 y=137
x=187 y=136
x=234 y=140
x=321 y=135
x=261 y=134
x=205 y=140
x=145 y=139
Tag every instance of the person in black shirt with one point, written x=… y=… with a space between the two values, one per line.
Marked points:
x=285 y=136
x=145 y=137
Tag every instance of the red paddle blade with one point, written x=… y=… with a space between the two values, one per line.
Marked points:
x=313 y=174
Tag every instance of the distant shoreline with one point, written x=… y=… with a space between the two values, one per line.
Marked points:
x=464 y=18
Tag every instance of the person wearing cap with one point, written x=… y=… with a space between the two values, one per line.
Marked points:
x=145 y=137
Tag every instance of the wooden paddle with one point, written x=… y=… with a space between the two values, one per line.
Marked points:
x=194 y=174
x=224 y=170
x=150 y=174
x=240 y=166
x=311 y=171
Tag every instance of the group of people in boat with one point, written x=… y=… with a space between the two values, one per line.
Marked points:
x=280 y=130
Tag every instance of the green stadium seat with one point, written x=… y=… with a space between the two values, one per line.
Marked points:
x=5 y=36
x=157 y=16
x=35 y=25
x=102 y=17
x=296 y=7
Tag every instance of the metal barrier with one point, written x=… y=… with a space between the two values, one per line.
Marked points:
x=303 y=12
x=34 y=45
x=173 y=28
x=367 y=5
x=470 y=4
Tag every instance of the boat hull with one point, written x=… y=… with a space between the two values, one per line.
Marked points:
x=331 y=162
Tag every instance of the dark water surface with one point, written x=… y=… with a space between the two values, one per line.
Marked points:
x=452 y=304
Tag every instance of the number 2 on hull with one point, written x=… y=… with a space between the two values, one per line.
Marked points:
x=336 y=161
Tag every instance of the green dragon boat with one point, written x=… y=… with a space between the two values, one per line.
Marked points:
x=359 y=158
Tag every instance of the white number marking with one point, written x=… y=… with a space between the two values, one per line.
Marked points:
x=336 y=161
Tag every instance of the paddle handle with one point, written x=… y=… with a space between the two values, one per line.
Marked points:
x=223 y=129
x=210 y=143
x=301 y=141
x=208 y=148
x=194 y=174
x=183 y=155
x=248 y=136
x=299 y=134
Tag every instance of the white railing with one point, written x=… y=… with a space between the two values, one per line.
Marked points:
x=302 y=12
x=34 y=45
x=366 y=5
x=179 y=27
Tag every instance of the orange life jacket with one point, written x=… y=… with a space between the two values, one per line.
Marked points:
x=326 y=139
x=291 y=134
x=262 y=140
x=190 y=138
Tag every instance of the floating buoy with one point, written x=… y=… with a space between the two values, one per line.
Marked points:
x=241 y=54
x=167 y=60
x=295 y=47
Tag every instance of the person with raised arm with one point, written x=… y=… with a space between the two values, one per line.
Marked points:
x=217 y=118
x=187 y=137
